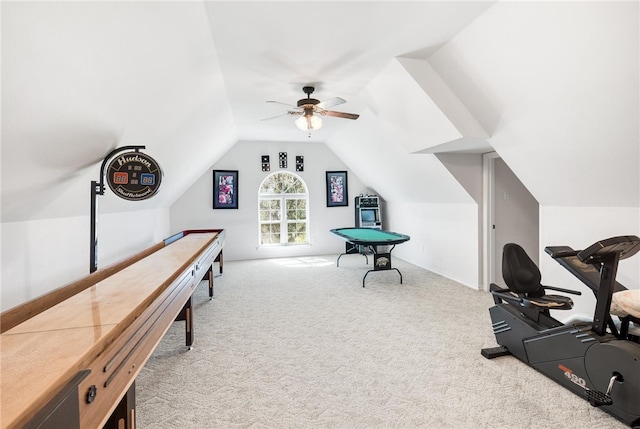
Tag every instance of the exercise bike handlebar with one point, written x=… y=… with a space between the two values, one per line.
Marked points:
x=559 y=289
x=557 y=252
x=508 y=295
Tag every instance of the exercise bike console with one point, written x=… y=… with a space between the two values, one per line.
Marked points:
x=623 y=247
x=594 y=359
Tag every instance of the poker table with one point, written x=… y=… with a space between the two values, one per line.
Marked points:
x=360 y=239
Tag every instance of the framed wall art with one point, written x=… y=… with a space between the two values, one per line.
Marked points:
x=225 y=189
x=337 y=189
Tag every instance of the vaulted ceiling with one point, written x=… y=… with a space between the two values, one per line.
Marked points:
x=190 y=79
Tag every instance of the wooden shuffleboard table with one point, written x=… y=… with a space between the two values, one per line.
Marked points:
x=70 y=358
x=372 y=239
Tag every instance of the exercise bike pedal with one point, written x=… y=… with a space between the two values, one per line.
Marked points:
x=597 y=398
x=494 y=352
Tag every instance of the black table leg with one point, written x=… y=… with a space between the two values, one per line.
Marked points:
x=365 y=275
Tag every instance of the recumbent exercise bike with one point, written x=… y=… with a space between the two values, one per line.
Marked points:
x=597 y=360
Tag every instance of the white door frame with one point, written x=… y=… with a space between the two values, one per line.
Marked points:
x=488 y=218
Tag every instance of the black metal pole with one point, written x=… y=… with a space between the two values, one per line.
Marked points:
x=97 y=188
x=93 y=235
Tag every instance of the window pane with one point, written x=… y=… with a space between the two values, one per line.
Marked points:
x=297 y=232
x=282 y=210
x=302 y=209
x=299 y=187
x=291 y=210
x=270 y=204
x=269 y=210
x=296 y=209
x=288 y=183
x=282 y=183
x=270 y=233
x=269 y=185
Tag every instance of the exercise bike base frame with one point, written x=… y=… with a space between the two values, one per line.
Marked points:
x=574 y=357
x=594 y=360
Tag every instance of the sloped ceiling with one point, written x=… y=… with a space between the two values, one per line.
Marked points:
x=185 y=79
x=190 y=79
x=81 y=78
x=380 y=148
x=557 y=86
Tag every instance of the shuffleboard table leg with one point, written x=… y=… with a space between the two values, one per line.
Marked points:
x=210 y=275
x=186 y=314
x=220 y=261
x=124 y=414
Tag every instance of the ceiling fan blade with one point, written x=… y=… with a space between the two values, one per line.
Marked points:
x=290 y=112
x=274 y=117
x=280 y=102
x=341 y=114
x=330 y=102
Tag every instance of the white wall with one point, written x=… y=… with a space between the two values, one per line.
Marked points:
x=444 y=238
x=428 y=197
x=41 y=255
x=561 y=103
x=516 y=216
x=578 y=228
x=194 y=208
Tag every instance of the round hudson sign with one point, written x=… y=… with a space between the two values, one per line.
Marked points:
x=134 y=176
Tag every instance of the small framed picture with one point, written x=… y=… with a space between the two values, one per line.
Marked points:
x=337 y=189
x=225 y=189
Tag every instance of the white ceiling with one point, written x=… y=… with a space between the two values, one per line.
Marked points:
x=185 y=79
x=269 y=50
x=189 y=79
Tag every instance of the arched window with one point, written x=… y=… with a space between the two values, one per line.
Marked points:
x=283 y=210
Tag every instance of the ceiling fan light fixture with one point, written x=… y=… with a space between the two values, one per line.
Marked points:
x=309 y=122
x=309 y=111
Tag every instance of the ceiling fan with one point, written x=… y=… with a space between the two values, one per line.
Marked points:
x=310 y=111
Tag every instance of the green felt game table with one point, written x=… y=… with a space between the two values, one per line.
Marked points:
x=370 y=238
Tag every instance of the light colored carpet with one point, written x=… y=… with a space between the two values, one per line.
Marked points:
x=298 y=343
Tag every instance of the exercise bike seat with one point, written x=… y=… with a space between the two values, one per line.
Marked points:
x=523 y=278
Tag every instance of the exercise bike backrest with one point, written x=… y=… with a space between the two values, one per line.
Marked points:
x=519 y=272
x=523 y=277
